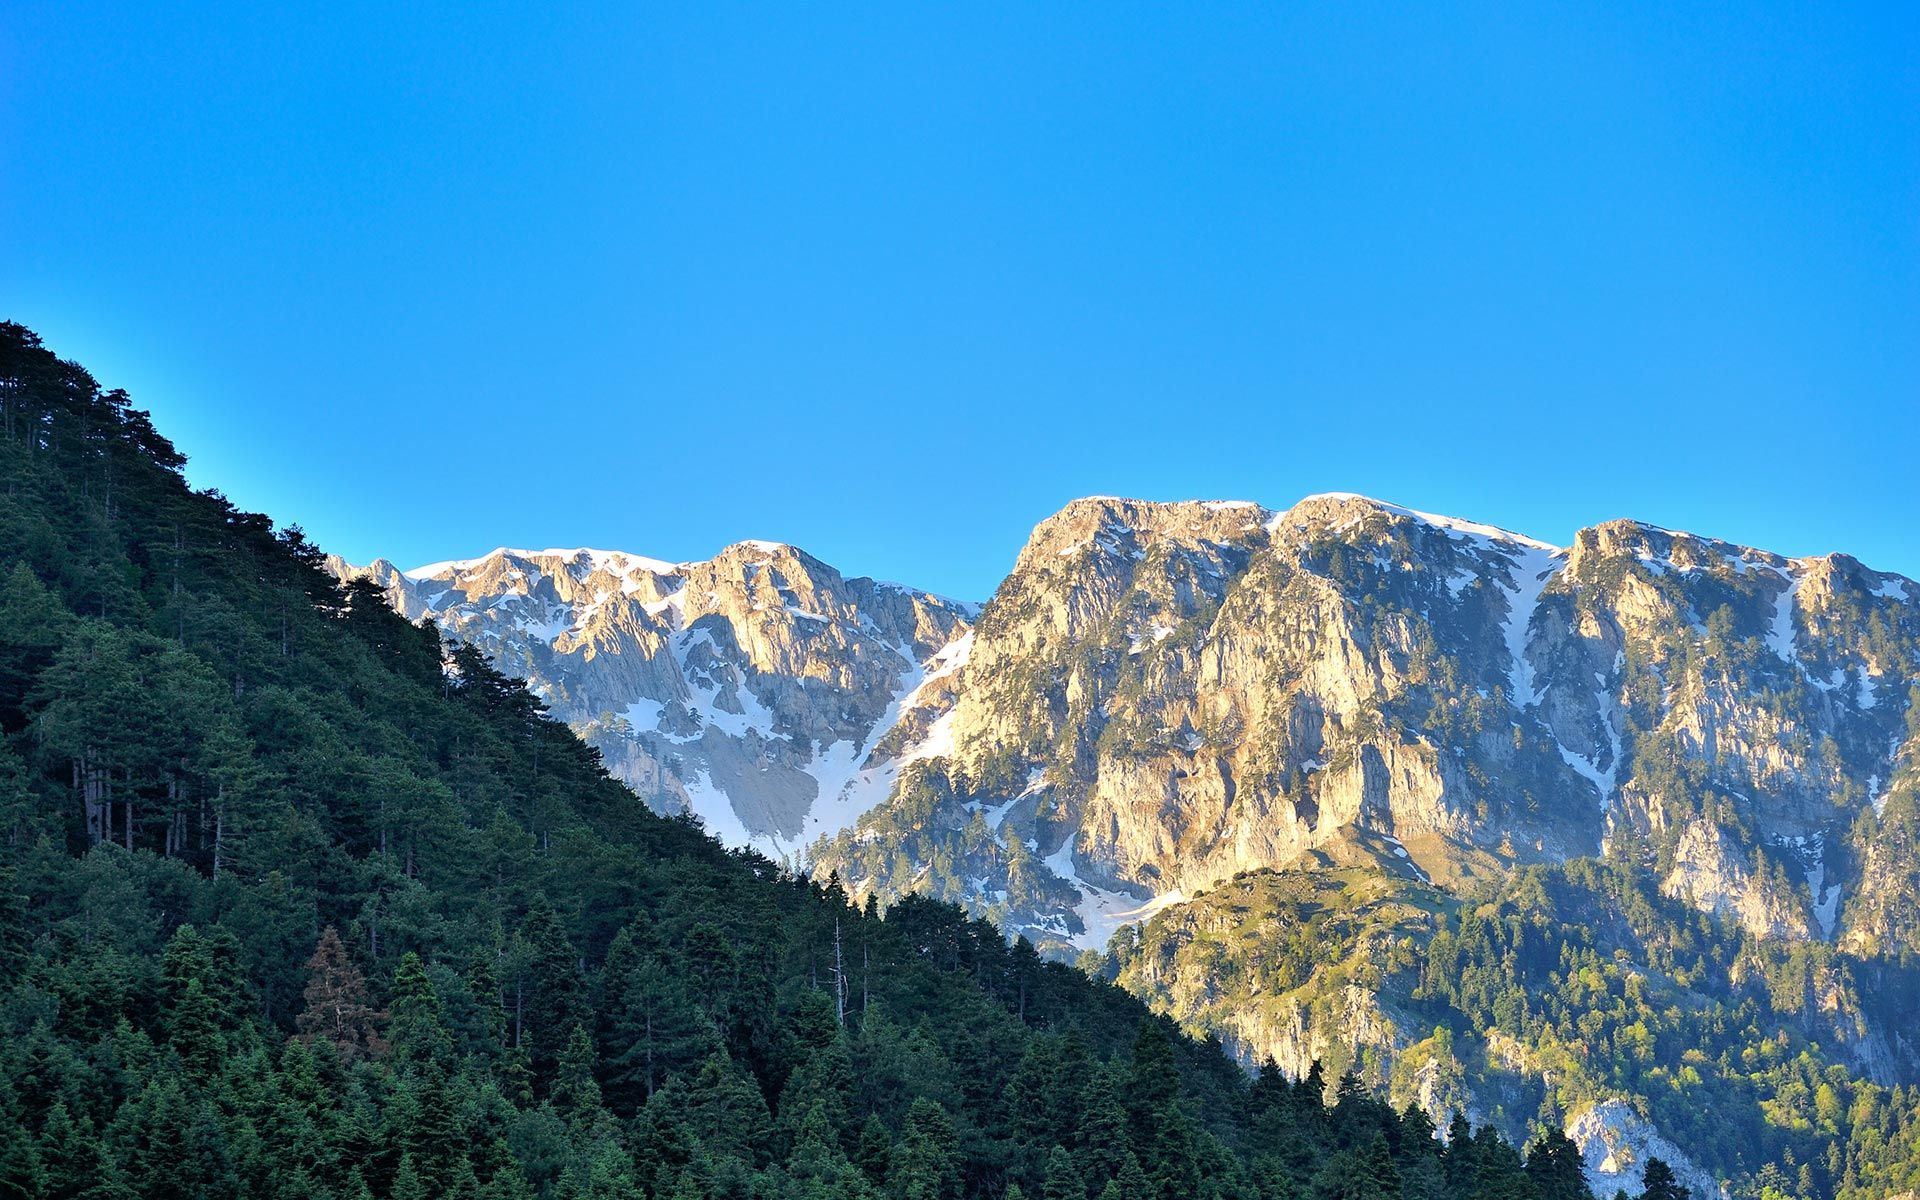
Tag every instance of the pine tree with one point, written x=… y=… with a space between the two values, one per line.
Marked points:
x=874 y=1153
x=664 y=1142
x=652 y=1028
x=407 y=1184
x=726 y=1111
x=823 y=1078
x=69 y=1154
x=1459 y=1163
x=926 y=1158
x=194 y=1032
x=428 y=1126
x=576 y=1096
x=1152 y=1080
x=816 y=1162
x=21 y=1175
x=1101 y=1145
x=1383 y=1176
x=483 y=985
x=550 y=1003
x=14 y=939
x=508 y=1183
x=1129 y=1183
x=336 y=1007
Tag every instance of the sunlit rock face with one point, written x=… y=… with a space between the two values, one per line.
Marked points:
x=1161 y=695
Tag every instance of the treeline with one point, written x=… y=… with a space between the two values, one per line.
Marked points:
x=293 y=906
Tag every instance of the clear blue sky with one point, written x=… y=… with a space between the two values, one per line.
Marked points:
x=892 y=282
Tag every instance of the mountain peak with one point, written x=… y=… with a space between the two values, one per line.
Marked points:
x=1343 y=506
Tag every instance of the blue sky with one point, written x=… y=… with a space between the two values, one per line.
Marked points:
x=894 y=282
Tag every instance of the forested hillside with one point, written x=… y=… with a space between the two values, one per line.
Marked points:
x=1564 y=990
x=293 y=906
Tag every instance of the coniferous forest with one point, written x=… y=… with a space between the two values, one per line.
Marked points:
x=298 y=902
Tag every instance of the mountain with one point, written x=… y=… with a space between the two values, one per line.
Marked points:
x=1172 y=710
x=1610 y=848
x=759 y=689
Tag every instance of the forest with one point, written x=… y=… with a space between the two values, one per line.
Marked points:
x=298 y=901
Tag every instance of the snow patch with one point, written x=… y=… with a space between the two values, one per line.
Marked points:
x=850 y=785
x=1156 y=633
x=643 y=715
x=1450 y=524
x=616 y=561
x=1533 y=566
x=1780 y=635
x=1826 y=901
x=1602 y=780
x=715 y=810
x=1102 y=912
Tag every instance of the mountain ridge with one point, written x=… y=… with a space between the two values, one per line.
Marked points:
x=1336 y=509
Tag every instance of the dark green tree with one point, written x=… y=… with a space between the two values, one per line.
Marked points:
x=1658 y=1182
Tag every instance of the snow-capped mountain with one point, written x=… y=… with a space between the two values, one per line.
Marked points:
x=759 y=689
x=1206 y=726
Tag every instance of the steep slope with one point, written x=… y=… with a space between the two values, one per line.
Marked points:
x=295 y=905
x=759 y=689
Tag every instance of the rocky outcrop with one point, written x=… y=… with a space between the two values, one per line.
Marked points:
x=1162 y=695
x=1616 y=1141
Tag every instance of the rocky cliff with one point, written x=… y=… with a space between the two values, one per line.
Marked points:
x=1162 y=695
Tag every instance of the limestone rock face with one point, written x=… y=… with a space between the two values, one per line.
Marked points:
x=755 y=688
x=1615 y=1143
x=1162 y=695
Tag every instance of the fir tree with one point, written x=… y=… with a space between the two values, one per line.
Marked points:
x=549 y=1001
x=1659 y=1182
x=417 y=1026
x=1063 y=1178
x=1555 y=1167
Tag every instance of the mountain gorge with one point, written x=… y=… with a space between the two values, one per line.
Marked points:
x=1278 y=752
